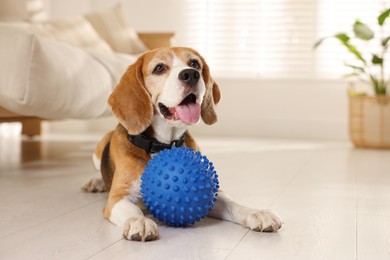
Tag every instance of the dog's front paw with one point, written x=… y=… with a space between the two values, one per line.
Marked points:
x=140 y=229
x=95 y=185
x=263 y=221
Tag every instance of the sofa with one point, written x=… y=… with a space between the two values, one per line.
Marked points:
x=66 y=69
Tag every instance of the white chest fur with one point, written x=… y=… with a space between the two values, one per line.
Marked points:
x=135 y=192
x=165 y=132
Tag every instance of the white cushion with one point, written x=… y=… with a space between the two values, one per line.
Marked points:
x=49 y=79
x=30 y=10
x=113 y=28
x=76 y=31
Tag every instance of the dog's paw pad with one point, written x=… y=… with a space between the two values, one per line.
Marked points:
x=95 y=185
x=140 y=229
x=263 y=221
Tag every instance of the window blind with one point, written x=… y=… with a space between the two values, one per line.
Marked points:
x=273 y=38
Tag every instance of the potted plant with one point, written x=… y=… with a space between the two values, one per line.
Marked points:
x=369 y=115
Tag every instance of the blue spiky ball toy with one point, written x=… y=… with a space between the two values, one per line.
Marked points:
x=179 y=186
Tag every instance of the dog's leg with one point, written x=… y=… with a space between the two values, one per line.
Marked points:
x=130 y=218
x=258 y=220
x=95 y=184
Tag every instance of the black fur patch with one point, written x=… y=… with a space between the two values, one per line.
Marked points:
x=106 y=166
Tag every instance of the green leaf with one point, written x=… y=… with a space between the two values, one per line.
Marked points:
x=382 y=92
x=379 y=86
x=319 y=42
x=357 y=53
x=374 y=81
x=351 y=75
x=362 y=31
x=383 y=16
x=342 y=37
x=385 y=41
x=375 y=84
x=357 y=68
x=376 y=59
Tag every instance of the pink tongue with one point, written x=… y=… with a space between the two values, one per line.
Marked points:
x=189 y=113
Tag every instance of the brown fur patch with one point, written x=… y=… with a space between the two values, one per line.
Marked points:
x=106 y=167
x=102 y=144
x=129 y=162
x=130 y=101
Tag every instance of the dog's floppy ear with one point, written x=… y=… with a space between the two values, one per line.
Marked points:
x=211 y=97
x=130 y=102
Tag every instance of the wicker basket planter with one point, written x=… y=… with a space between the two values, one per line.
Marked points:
x=369 y=121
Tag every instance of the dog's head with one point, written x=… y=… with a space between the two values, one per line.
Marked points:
x=175 y=83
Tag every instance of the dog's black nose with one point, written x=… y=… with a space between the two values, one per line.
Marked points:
x=189 y=76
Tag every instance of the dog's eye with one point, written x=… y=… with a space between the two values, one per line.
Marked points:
x=159 y=69
x=194 y=64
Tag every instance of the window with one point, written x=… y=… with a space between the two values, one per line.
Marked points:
x=274 y=38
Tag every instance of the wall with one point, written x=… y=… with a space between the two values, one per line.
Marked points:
x=263 y=108
x=145 y=15
x=282 y=108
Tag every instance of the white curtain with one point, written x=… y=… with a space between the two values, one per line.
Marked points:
x=274 y=38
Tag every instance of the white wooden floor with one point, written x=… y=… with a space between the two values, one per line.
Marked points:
x=335 y=201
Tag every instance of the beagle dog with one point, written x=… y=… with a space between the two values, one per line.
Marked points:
x=159 y=96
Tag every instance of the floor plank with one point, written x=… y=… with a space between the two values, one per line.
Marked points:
x=319 y=209
x=41 y=193
x=201 y=241
x=373 y=177
x=373 y=237
x=76 y=235
x=125 y=250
